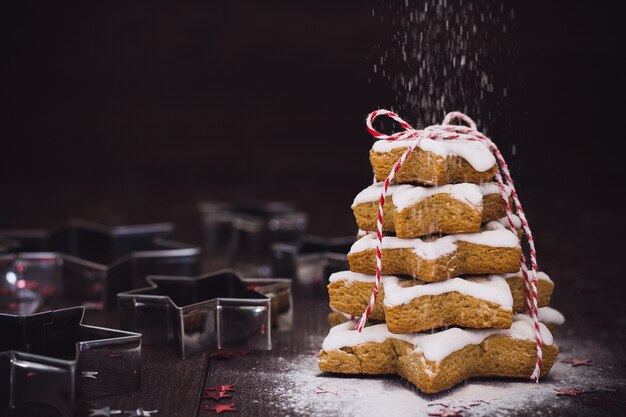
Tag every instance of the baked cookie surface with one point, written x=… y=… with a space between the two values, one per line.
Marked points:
x=434 y=162
x=349 y=292
x=493 y=250
x=412 y=211
x=434 y=362
x=409 y=305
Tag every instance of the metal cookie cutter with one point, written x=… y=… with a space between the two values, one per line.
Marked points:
x=313 y=259
x=49 y=359
x=86 y=263
x=239 y=234
x=216 y=311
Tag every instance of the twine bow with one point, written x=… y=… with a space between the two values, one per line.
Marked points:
x=448 y=131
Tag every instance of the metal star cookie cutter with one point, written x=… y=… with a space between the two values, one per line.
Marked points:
x=313 y=259
x=215 y=311
x=239 y=234
x=49 y=359
x=87 y=263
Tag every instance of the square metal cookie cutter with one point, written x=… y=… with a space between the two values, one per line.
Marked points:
x=49 y=359
x=215 y=311
x=87 y=263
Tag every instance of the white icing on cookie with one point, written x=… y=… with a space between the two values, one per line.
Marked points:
x=477 y=154
x=360 y=233
x=494 y=289
x=487 y=188
x=503 y=222
x=349 y=276
x=550 y=315
x=346 y=315
x=497 y=236
x=540 y=275
x=436 y=346
x=372 y=193
x=344 y=335
x=523 y=328
x=465 y=192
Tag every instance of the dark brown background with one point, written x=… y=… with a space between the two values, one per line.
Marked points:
x=123 y=111
x=133 y=111
x=111 y=97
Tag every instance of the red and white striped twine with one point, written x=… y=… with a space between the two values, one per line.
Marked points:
x=503 y=177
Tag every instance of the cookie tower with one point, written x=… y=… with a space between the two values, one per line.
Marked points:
x=439 y=267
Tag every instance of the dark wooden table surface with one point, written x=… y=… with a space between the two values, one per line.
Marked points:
x=580 y=245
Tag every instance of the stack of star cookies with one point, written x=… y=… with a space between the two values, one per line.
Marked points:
x=452 y=298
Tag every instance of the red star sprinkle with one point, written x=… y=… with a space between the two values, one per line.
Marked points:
x=215 y=395
x=222 y=388
x=220 y=408
x=578 y=362
x=569 y=392
x=448 y=412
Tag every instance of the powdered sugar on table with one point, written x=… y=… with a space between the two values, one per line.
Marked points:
x=303 y=390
